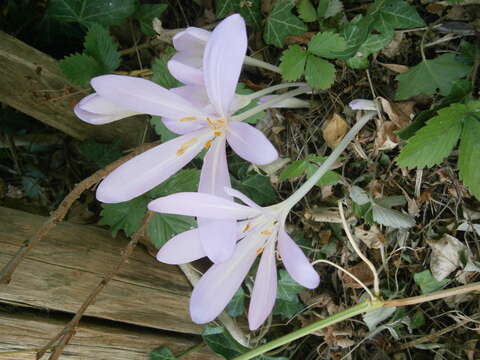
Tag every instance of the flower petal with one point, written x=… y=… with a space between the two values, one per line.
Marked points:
x=218 y=285
x=142 y=95
x=217 y=236
x=296 y=262
x=182 y=249
x=192 y=38
x=250 y=143
x=265 y=289
x=95 y=110
x=222 y=62
x=241 y=196
x=185 y=73
x=201 y=205
x=183 y=127
x=151 y=168
x=362 y=104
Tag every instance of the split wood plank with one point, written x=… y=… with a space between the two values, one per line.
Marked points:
x=63 y=268
x=33 y=84
x=24 y=331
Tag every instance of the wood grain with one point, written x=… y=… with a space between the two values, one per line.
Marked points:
x=33 y=84
x=60 y=272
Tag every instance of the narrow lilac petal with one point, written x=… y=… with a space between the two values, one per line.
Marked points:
x=265 y=289
x=182 y=249
x=217 y=236
x=201 y=205
x=185 y=73
x=250 y=143
x=292 y=103
x=191 y=58
x=218 y=285
x=191 y=38
x=151 y=168
x=362 y=104
x=296 y=262
x=143 y=96
x=196 y=95
x=95 y=110
x=242 y=197
x=222 y=62
x=183 y=127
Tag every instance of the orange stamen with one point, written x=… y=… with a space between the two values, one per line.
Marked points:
x=259 y=251
x=217 y=133
x=192 y=118
x=266 y=232
x=185 y=146
x=208 y=144
x=247 y=227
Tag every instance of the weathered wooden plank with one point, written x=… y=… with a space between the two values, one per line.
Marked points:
x=62 y=269
x=26 y=331
x=33 y=84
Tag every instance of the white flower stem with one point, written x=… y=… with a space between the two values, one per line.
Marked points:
x=270 y=103
x=310 y=183
x=261 y=64
x=271 y=89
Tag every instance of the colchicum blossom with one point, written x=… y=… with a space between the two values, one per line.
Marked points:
x=203 y=114
x=261 y=231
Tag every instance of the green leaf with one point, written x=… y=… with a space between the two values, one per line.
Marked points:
x=163 y=227
x=87 y=12
x=329 y=178
x=327 y=44
x=293 y=170
x=375 y=317
x=126 y=216
x=359 y=196
x=80 y=68
x=282 y=23
x=292 y=62
x=391 y=217
x=428 y=283
x=358 y=62
x=101 y=154
x=256 y=187
x=250 y=10
x=287 y=287
x=306 y=11
x=162 y=353
x=221 y=342
x=145 y=15
x=432 y=143
x=394 y=14
x=236 y=306
x=100 y=45
x=375 y=42
x=329 y=8
x=355 y=33
x=418 y=320
x=161 y=130
x=161 y=75
x=319 y=73
x=183 y=181
x=469 y=150
x=430 y=76
x=287 y=308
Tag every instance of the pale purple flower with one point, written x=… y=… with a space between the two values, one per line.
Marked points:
x=257 y=233
x=363 y=104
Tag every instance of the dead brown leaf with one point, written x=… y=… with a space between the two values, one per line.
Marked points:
x=393 y=48
x=436 y=8
x=372 y=237
x=334 y=130
x=302 y=39
x=395 y=67
x=362 y=272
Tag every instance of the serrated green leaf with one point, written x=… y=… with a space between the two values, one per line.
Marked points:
x=293 y=170
x=375 y=42
x=432 y=143
x=161 y=75
x=329 y=178
x=126 y=216
x=394 y=14
x=430 y=75
x=257 y=187
x=101 y=154
x=100 y=45
x=88 y=12
x=163 y=227
x=221 y=342
x=327 y=44
x=391 y=201
x=162 y=353
x=236 y=306
x=251 y=12
x=329 y=8
x=161 y=130
x=469 y=150
x=282 y=23
x=292 y=63
x=428 y=283
x=80 y=68
x=306 y=11
x=319 y=73
x=355 y=34
x=145 y=15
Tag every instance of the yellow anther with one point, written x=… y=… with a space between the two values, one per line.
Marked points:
x=259 y=251
x=185 y=146
x=208 y=144
x=247 y=227
x=266 y=232
x=192 y=118
x=217 y=133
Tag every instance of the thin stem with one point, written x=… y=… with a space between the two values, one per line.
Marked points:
x=363 y=307
x=271 y=89
x=270 y=103
x=310 y=183
x=349 y=274
x=353 y=242
x=261 y=64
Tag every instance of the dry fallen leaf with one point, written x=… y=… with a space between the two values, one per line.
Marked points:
x=393 y=48
x=445 y=256
x=372 y=237
x=334 y=130
x=362 y=272
x=395 y=67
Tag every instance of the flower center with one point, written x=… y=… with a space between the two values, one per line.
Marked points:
x=218 y=126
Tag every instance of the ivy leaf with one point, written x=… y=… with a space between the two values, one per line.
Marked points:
x=126 y=216
x=319 y=73
x=469 y=151
x=250 y=10
x=292 y=63
x=236 y=306
x=430 y=75
x=161 y=75
x=162 y=353
x=287 y=287
x=287 y=308
x=256 y=187
x=428 y=283
x=221 y=342
x=293 y=170
x=394 y=14
x=100 y=45
x=327 y=44
x=88 y=12
x=163 y=227
x=101 y=154
x=329 y=8
x=432 y=143
x=329 y=178
x=355 y=34
x=145 y=15
x=80 y=68
x=306 y=11
x=282 y=23
x=183 y=181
